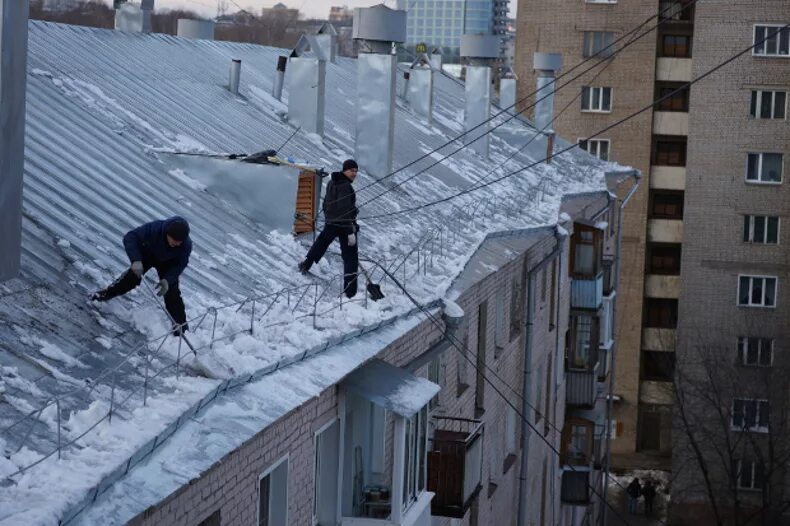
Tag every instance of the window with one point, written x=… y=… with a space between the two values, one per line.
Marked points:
x=676 y=10
x=462 y=371
x=586 y=248
x=768 y=104
x=327 y=443
x=771 y=41
x=674 y=46
x=538 y=394
x=669 y=152
x=666 y=204
x=499 y=319
x=516 y=303
x=596 y=99
x=598 y=44
x=581 y=354
x=764 y=168
x=676 y=101
x=757 y=352
x=480 y=386
x=750 y=415
x=416 y=455
x=664 y=259
x=553 y=296
x=756 y=291
x=661 y=313
x=215 y=519
x=761 y=229
x=658 y=366
x=749 y=474
x=596 y=147
x=273 y=496
x=547 y=408
x=577 y=438
x=511 y=438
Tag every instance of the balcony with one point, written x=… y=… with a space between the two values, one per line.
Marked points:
x=455 y=465
x=587 y=293
x=658 y=339
x=670 y=69
x=660 y=286
x=665 y=231
x=670 y=123
x=609 y=275
x=606 y=331
x=668 y=177
x=580 y=390
x=576 y=487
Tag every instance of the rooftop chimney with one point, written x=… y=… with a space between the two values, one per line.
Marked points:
x=436 y=59
x=377 y=28
x=547 y=65
x=234 y=76
x=507 y=93
x=480 y=51
x=306 y=87
x=326 y=39
x=13 y=79
x=199 y=29
x=420 y=88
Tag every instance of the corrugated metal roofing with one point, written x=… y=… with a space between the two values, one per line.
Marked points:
x=100 y=104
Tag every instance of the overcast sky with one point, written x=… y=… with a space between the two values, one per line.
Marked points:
x=311 y=8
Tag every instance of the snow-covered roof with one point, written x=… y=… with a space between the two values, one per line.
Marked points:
x=102 y=106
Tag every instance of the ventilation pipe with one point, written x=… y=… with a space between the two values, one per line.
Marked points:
x=507 y=93
x=13 y=81
x=129 y=17
x=306 y=88
x=235 y=76
x=147 y=7
x=479 y=51
x=419 y=90
x=547 y=65
x=376 y=28
x=436 y=59
x=326 y=39
x=198 y=29
x=279 y=77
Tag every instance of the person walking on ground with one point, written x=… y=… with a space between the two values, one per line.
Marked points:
x=634 y=491
x=164 y=245
x=649 y=493
x=340 y=217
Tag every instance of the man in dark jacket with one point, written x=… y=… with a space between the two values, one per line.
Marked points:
x=340 y=215
x=634 y=491
x=165 y=246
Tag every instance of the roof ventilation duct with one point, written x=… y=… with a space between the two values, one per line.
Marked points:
x=307 y=86
x=420 y=88
x=279 y=77
x=436 y=59
x=326 y=40
x=134 y=18
x=377 y=29
x=507 y=93
x=199 y=29
x=13 y=81
x=547 y=65
x=479 y=51
x=235 y=76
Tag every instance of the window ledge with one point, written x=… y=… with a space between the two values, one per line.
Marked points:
x=764 y=183
x=605 y=112
x=509 y=461
x=749 y=430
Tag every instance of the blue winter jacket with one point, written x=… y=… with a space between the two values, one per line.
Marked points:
x=148 y=243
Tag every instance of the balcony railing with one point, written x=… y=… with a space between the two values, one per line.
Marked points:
x=587 y=293
x=576 y=487
x=455 y=465
x=581 y=387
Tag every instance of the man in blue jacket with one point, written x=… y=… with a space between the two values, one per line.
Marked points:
x=165 y=246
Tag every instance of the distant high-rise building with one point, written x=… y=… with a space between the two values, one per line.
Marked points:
x=440 y=23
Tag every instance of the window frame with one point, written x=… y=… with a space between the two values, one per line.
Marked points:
x=667 y=375
x=585 y=144
x=764 y=54
x=742 y=348
x=664 y=251
x=751 y=279
x=760 y=157
x=588 y=96
x=665 y=195
x=267 y=473
x=750 y=227
x=663 y=47
x=739 y=468
x=660 y=305
x=756 y=428
x=662 y=158
x=756 y=101
x=683 y=96
x=588 y=44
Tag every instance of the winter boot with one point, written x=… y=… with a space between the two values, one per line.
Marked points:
x=101 y=295
x=304 y=266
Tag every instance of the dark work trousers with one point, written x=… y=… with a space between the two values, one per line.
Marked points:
x=173 y=301
x=350 y=255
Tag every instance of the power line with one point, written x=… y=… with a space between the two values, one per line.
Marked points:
x=597 y=134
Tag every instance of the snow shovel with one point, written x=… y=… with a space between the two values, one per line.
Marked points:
x=373 y=288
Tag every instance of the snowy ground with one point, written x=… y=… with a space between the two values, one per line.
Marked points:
x=617 y=497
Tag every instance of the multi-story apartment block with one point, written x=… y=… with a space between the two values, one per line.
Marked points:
x=655 y=143
x=440 y=23
x=474 y=393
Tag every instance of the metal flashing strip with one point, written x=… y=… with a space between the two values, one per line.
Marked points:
x=152 y=445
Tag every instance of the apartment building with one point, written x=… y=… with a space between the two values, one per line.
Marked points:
x=732 y=330
x=655 y=143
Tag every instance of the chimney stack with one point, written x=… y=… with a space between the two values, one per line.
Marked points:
x=198 y=29
x=420 y=88
x=235 y=76
x=507 y=93
x=547 y=65
x=306 y=87
x=436 y=59
x=13 y=81
x=376 y=28
x=480 y=51
x=326 y=39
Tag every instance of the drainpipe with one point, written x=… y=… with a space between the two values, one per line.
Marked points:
x=609 y=401
x=526 y=388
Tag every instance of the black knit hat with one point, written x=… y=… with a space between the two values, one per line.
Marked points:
x=178 y=229
x=350 y=164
